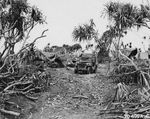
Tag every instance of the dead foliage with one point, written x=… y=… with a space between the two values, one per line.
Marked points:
x=131 y=96
x=22 y=77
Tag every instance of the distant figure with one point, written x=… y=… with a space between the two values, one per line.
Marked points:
x=148 y=53
x=1 y=62
x=130 y=45
x=139 y=52
x=125 y=46
x=133 y=53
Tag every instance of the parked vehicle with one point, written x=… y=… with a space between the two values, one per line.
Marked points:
x=86 y=64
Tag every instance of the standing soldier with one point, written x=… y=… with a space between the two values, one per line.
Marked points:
x=139 y=53
x=149 y=55
x=130 y=45
x=149 y=52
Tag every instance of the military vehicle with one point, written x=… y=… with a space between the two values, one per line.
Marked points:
x=86 y=64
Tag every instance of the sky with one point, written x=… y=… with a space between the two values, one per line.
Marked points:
x=63 y=15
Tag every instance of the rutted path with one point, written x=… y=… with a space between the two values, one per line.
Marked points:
x=73 y=96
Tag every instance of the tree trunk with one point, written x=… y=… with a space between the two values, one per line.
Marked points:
x=0 y=20
x=118 y=46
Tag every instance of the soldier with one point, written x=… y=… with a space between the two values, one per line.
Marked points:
x=130 y=45
x=149 y=53
x=139 y=52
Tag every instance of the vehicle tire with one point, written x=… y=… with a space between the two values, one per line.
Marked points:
x=89 y=70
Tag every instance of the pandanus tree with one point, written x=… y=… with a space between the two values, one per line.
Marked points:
x=16 y=22
x=125 y=16
x=85 y=32
x=104 y=43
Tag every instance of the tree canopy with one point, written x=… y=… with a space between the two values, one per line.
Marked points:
x=17 y=20
x=125 y=16
x=85 y=32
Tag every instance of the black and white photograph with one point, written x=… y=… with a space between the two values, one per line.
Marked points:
x=74 y=59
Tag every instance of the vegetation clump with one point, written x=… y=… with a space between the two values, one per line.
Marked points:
x=22 y=74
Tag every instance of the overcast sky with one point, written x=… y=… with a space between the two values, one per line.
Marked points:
x=64 y=15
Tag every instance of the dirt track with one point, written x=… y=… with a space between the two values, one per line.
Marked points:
x=73 y=96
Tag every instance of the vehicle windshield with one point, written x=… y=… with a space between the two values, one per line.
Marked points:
x=86 y=57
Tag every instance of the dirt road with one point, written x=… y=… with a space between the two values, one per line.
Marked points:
x=73 y=96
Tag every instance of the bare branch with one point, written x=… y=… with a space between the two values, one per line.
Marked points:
x=17 y=83
x=42 y=35
x=9 y=28
x=9 y=112
x=27 y=36
x=34 y=41
x=5 y=61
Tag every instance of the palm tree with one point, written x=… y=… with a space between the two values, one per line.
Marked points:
x=123 y=17
x=84 y=32
x=16 y=22
x=104 y=43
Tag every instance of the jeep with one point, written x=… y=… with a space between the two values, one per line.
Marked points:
x=86 y=64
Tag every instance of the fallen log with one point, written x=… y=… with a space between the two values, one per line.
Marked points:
x=80 y=97
x=112 y=111
x=9 y=112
